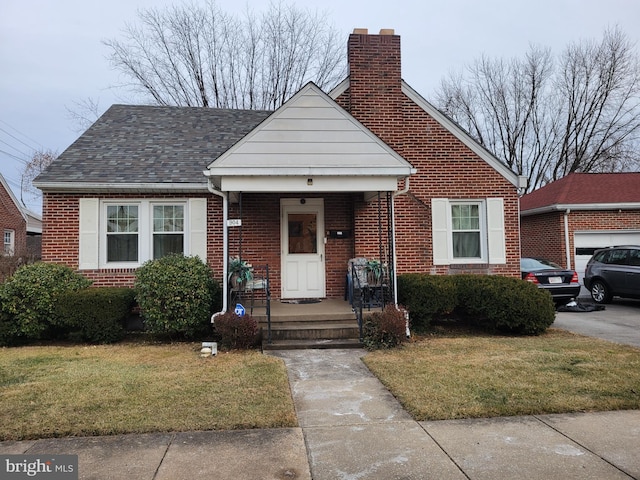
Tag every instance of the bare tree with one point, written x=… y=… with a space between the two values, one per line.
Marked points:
x=40 y=160
x=84 y=113
x=545 y=120
x=198 y=55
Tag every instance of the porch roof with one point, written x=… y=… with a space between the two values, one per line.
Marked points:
x=309 y=144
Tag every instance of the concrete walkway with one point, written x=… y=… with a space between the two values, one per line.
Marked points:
x=355 y=429
x=352 y=428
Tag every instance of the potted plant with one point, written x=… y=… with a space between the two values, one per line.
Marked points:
x=239 y=273
x=374 y=272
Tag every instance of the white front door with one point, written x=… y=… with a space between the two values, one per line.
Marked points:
x=302 y=233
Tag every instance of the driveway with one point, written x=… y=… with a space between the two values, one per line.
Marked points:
x=619 y=322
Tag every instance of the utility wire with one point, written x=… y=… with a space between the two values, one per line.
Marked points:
x=21 y=134
x=21 y=160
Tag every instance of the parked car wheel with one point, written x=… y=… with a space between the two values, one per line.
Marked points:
x=600 y=292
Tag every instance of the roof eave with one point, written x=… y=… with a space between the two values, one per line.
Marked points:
x=399 y=172
x=559 y=207
x=90 y=187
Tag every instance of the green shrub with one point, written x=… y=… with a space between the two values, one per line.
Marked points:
x=96 y=315
x=28 y=299
x=493 y=302
x=176 y=295
x=505 y=304
x=235 y=332
x=426 y=297
x=385 y=329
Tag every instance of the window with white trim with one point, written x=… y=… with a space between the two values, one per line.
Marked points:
x=122 y=233
x=466 y=234
x=9 y=242
x=126 y=233
x=132 y=232
x=168 y=230
x=468 y=231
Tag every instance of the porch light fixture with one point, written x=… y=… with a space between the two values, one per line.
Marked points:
x=309 y=181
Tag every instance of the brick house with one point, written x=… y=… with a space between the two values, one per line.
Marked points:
x=21 y=228
x=566 y=220
x=370 y=169
x=13 y=221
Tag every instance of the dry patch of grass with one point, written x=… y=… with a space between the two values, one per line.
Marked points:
x=472 y=376
x=132 y=388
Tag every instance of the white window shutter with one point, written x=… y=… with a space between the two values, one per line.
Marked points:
x=198 y=228
x=440 y=231
x=495 y=227
x=89 y=233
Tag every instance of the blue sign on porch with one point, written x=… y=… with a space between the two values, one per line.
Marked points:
x=240 y=311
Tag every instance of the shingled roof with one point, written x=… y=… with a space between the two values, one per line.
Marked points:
x=588 y=190
x=148 y=145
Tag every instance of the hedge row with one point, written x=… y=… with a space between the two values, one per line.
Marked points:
x=493 y=302
x=96 y=315
x=28 y=301
x=51 y=302
x=45 y=301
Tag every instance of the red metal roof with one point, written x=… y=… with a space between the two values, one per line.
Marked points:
x=585 y=188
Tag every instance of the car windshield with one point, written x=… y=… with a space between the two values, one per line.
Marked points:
x=529 y=264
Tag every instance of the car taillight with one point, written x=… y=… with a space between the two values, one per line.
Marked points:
x=574 y=279
x=531 y=278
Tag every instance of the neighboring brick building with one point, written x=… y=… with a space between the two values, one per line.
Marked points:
x=13 y=222
x=21 y=228
x=369 y=170
x=566 y=220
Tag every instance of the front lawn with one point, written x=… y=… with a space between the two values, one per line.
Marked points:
x=472 y=375
x=53 y=391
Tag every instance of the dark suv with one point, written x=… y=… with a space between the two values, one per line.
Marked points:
x=614 y=271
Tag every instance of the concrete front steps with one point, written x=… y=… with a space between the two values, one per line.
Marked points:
x=300 y=334
x=330 y=324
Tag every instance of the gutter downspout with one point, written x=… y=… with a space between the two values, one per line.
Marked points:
x=566 y=238
x=393 y=234
x=225 y=246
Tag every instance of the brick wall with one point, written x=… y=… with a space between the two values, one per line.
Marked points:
x=12 y=219
x=446 y=168
x=60 y=236
x=260 y=233
x=261 y=237
x=544 y=235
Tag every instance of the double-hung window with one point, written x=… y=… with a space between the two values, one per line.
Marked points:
x=126 y=233
x=466 y=234
x=123 y=224
x=168 y=230
x=9 y=242
x=468 y=231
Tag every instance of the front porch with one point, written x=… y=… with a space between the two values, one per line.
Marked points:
x=327 y=322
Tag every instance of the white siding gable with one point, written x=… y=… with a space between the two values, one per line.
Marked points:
x=310 y=135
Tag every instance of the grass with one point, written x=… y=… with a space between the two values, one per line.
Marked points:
x=447 y=376
x=53 y=391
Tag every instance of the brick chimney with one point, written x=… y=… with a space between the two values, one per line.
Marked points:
x=375 y=92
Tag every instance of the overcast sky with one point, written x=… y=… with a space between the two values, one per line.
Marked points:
x=52 y=55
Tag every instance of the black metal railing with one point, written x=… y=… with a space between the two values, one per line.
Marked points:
x=355 y=286
x=367 y=289
x=253 y=294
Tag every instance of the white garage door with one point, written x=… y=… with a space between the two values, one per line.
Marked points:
x=586 y=242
